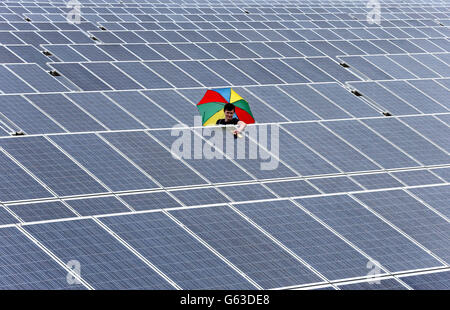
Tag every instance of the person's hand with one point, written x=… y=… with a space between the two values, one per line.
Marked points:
x=235 y=132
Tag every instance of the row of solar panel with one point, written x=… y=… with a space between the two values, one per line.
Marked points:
x=205 y=257
x=422 y=43
x=121 y=161
x=409 y=180
x=116 y=111
x=302 y=10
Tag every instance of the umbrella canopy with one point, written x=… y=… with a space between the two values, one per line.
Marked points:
x=212 y=103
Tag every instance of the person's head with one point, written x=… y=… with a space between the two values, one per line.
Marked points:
x=228 y=110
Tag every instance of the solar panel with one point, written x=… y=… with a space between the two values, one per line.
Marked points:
x=50 y=165
x=409 y=141
x=412 y=217
x=42 y=211
x=265 y=262
x=307 y=238
x=376 y=238
x=19 y=257
x=331 y=147
x=181 y=257
x=429 y=281
x=161 y=165
x=98 y=101
x=97 y=206
x=106 y=263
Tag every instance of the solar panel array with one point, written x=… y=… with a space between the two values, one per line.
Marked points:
x=363 y=112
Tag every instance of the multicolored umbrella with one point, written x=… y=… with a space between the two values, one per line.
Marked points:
x=212 y=103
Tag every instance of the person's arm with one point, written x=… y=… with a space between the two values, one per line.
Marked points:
x=241 y=127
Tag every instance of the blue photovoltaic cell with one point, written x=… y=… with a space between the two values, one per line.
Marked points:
x=245 y=247
x=103 y=109
x=9 y=83
x=307 y=238
x=168 y=51
x=370 y=144
x=42 y=211
x=433 y=63
x=217 y=169
x=284 y=104
x=160 y=165
x=193 y=51
x=30 y=54
x=431 y=128
x=409 y=141
x=116 y=172
x=412 y=217
x=282 y=71
x=300 y=158
x=376 y=180
x=435 y=196
x=172 y=74
x=245 y=192
x=256 y=72
x=26 y=116
x=335 y=185
x=333 y=69
x=150 y=201
x=292 y=188
x=26 y=266
x=376 y=284
x=37 y=78
x=369 y=233
x=434 y=90
x=384 y=98
x=444 y=173
x=118 y=52
x=181 y=257
x=345 y=100
x=111 y=75
x=413 y=96
x=106 y=263
x=330 y=147
x=216 y=50
x=315 y=102
x=229 y=72
x=92 y=52
x=6 y=218
x=175 y=104
x=64 y=53
x=65 y=112
x=201 y=73
x=96 y=206
x=8 y=57
x=15 y=183
x=262 y=112
x=365 y=67
x=80 y=76
x=308 y=70
x=429 y=281
x=51 y=166
x=417 y=177
x=142 y=108
x=201 y=196
x=389 y=66
x=142 y=75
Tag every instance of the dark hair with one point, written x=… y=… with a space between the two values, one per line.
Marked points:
x=229 y=107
